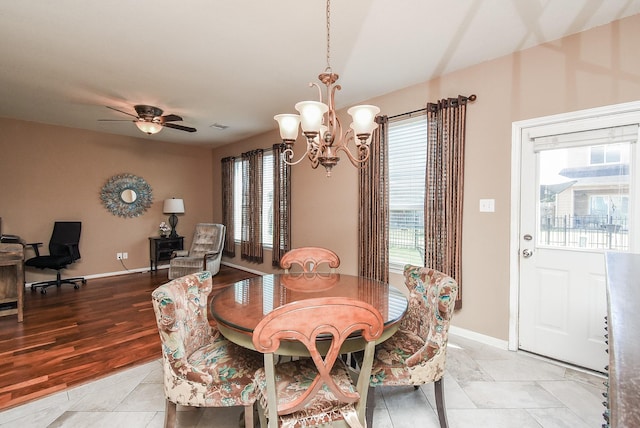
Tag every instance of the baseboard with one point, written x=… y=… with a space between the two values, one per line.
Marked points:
x=144 y=270
x=257 y=272
x=106 y=274
x=479 y=337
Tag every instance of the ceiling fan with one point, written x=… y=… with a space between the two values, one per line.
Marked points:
x=150 y=120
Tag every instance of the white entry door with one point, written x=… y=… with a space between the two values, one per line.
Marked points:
x=578 y=181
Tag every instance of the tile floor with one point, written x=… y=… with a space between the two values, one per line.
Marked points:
x=484 y=387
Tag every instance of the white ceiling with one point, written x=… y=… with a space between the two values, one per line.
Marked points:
x=240 y=62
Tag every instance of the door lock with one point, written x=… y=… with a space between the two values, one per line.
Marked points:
x=526 y=253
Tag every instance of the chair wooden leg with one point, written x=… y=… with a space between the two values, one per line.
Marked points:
x=371 y=404
x=440 y=406
x=170 y=414
x=248 y=416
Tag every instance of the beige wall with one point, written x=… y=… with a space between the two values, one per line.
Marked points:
x=595 y=68
x=50 y=173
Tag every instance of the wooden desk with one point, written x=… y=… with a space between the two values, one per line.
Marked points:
x=240 y=307
x=12 y=280
x=623 y=323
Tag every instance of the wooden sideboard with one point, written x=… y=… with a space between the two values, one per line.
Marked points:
x=12 y=280
x=623 y=325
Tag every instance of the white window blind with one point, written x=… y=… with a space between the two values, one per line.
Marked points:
x=267 y=199
x=407 y=167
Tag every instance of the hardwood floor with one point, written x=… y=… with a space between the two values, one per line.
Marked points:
x=70 y=337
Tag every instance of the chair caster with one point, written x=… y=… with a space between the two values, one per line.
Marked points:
x=76 y=286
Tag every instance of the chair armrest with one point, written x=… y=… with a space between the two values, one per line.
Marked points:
x=210 y=254
x=180 y=253
x=34 y=246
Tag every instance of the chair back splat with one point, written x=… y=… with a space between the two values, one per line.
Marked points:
x=318 y=390
x=309 y=259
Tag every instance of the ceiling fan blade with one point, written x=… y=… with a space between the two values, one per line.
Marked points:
x=180 y=127
x=115 y=120
x=113 y=108
x=170 y=118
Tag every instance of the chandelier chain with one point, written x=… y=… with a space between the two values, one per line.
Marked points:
x=328 y=36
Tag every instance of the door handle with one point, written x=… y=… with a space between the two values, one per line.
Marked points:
x=526 y=253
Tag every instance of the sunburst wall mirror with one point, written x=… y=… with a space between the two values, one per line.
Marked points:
x=126 y=195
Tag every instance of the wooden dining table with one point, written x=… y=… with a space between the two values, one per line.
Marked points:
x=239 y=308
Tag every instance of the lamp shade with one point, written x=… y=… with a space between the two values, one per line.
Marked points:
x=173 y=206
x=311 y=114
x=363 y=118
x=148 y=127
x=288 y=126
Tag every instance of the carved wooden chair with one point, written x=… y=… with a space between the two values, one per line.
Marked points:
x=205 y=252
x=201 y=368
x=309 y=259
x=315 y=391
x=417 y=352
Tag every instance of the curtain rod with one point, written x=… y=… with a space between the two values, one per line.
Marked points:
x=471 y=98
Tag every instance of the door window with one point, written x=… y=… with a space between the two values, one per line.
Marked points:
x=584 y=197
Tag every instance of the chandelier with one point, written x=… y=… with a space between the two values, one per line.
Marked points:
x=321 y=126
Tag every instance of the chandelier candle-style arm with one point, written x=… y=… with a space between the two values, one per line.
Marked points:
x=321 y=126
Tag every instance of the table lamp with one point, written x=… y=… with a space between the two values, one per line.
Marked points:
x=173 y=206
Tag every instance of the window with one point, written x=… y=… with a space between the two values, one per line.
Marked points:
x=609 y=207
x=605 y=154
x=407 y=165
x=267 y=199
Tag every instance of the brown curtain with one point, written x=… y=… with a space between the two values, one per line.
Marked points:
x=281 y=205
x=373 y=210
x=444 y=187
x=228 y=168
x=251 y=236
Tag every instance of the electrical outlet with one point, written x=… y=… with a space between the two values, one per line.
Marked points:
x=125 y=256
x=118 y=256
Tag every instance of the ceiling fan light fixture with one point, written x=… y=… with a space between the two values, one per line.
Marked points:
x=148 y=127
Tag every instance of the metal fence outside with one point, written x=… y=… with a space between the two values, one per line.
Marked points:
x=587 y=232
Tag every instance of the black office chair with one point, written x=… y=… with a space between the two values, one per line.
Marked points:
x=63 y=250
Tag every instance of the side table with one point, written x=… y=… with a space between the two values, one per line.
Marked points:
x=160 y=249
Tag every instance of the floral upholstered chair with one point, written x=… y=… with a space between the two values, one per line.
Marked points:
x=201 y=368
x=309 y=259
x=316 y=391
x=205 y=252
x=417 y=352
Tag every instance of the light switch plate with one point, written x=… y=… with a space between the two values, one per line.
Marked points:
x=487 y=205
